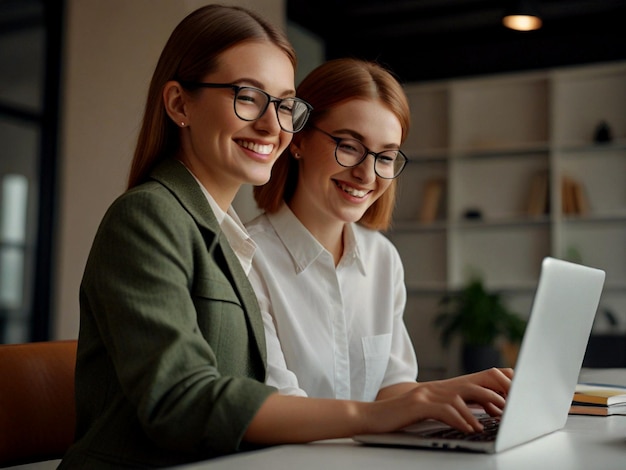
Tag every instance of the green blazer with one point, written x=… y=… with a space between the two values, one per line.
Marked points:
x=171 y=350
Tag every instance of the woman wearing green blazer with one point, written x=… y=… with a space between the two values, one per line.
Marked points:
x=171 y=354
x=171 y=357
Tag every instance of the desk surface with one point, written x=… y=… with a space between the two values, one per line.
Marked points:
x=586 y=442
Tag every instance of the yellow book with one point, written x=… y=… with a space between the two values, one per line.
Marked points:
x=599 y=394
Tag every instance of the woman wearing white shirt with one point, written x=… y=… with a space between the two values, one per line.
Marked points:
x=329 y=284
x=340 y=327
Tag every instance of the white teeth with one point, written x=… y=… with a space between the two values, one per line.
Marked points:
x=352 y=191
x=258 y=148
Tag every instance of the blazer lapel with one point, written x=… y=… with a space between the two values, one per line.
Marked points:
x=178 y=180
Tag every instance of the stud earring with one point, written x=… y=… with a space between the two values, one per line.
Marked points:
x=182 y=124
x=296 y=156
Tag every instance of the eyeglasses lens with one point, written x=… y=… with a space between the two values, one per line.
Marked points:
x=387 y=164
x=251 y=104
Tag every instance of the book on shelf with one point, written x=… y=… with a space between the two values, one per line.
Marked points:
x=581 y=205
x=598 y=400
x=432 y=200
x=573 y=197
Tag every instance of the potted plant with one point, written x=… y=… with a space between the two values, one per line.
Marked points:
x=486 y=327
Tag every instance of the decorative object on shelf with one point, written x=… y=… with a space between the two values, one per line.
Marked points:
x=603 y=133
x=473 y=213
x=484 y=324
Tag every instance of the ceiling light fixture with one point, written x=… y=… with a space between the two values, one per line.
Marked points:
x=522 y=15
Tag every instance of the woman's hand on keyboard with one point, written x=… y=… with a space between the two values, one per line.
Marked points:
x=449 y=400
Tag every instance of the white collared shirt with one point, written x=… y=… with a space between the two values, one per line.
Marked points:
x=330 y=332
x=233 y=229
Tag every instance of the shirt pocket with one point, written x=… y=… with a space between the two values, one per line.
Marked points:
x=376 y=350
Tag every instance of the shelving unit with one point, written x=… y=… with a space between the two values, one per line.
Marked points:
x=486 y=139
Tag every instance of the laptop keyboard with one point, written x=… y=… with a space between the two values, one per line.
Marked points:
x=489 y=432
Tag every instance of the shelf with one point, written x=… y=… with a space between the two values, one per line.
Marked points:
x=505 y=222
x=595 y=219
x=591 y=148
x=517 y=150
x=583 y=97
x=502 y=146
x=400 y=226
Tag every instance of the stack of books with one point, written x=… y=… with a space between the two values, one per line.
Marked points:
x=599 y=400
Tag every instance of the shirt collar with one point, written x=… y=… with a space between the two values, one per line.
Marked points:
x=304 y=248
x=233 y=229
x=351 y=251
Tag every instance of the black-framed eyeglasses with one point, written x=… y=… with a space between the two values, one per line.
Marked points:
x=250 y=104
x=349 y=153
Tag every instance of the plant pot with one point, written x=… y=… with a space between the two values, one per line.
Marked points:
x=477 y=357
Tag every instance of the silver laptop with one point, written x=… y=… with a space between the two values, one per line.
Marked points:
x=546 y=371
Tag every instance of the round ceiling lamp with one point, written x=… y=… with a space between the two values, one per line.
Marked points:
x=522 y=15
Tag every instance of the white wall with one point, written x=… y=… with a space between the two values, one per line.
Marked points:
x=111 y=48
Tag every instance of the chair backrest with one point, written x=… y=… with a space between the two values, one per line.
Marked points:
x=37 y=413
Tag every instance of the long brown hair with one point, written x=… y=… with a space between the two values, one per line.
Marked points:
x=190 y=53
x=327 y=86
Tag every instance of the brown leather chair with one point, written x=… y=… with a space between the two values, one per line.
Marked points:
x=37 y=414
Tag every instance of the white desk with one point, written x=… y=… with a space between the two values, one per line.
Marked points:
x=586 y=442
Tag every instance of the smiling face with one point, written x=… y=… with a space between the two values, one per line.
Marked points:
x=222 y=150
x=328 y=194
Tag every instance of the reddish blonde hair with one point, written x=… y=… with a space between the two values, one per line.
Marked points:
x=191 y=52
x=327 y=86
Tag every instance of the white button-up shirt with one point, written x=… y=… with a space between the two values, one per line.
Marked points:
x=331 y=332
x=232 y=228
